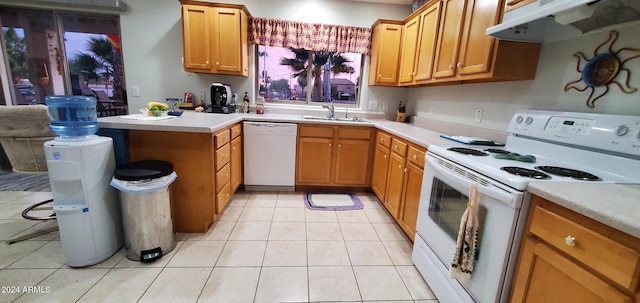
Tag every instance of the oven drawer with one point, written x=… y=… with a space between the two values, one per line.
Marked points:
x=399 y=147
x=595 y=250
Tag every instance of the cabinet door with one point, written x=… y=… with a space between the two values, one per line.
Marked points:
x=449 y=38
x=314 y=160
x=409 y=38
x=193 y=193
x=385 y=51
x=227 y=44
x=352 y=159
x=545 y=275
x=411 y=200
x=395 y=183
x=236 y=163
x=196 y=37
x=427 y=37
x=380 y=169
x=476 y=48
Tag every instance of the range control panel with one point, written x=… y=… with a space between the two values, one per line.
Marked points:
x=616 y=133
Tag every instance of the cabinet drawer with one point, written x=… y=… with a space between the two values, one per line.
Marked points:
x=222 y=156
x=398 y=147
x=597 y=251
x=315 y=131
x=223 y=177
x=416 y=156
x=236 y=130
x=221 y=138
x=354 y=133
x=223 y=197
x=383 y=139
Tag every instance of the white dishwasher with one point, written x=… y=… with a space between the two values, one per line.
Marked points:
x=269 y=156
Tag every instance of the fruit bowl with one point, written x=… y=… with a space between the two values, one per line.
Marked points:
x=158 y=112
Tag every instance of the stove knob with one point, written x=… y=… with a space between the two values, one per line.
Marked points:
x=622 y=130
x=519 y=119
x=528 y=121
x=638 y=134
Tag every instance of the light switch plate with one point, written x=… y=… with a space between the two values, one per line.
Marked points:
x=373 y=105
x=135 y=91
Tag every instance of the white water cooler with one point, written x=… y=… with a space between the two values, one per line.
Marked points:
x=86 y=207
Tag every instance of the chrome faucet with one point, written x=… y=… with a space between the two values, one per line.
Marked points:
x=331 y=110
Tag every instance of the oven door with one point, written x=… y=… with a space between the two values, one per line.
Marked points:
x=445 y=193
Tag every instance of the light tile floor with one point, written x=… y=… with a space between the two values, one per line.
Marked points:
x=266 y=247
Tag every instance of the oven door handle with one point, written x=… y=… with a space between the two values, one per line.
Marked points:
x=502 y=196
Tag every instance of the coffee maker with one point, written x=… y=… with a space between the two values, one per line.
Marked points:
x=221 y=99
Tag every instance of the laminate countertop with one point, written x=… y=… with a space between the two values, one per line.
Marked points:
x=613 y=204
x=191 y=121
x=616 y=205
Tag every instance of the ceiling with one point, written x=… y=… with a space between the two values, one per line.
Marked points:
x=399 y=2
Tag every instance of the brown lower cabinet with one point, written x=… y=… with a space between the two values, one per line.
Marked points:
x=567 y=257
x=397 y=178
x=204 y=165
x=330 y=155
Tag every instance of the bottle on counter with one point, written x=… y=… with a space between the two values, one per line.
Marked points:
x=245 y=103
x=260 y=105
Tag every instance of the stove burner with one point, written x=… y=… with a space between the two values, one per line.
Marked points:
x=567 y=172
x=468 y=151
x=497 y=151
x=525 y=172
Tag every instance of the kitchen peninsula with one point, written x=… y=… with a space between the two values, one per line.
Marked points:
x=199 y=130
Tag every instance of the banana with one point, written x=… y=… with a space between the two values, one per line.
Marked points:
x=159 y=105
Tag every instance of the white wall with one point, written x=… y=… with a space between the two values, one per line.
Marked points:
x=152 y=44
x=557 y=67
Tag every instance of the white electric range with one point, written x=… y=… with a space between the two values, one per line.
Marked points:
x=543 y=146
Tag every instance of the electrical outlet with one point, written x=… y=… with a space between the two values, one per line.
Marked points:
x=201 y=97
x=385 y=106
x=373 y=105
x=430 y=110
x=478 y=115
x=135 y=90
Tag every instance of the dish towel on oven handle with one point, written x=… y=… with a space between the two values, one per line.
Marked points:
x=466 y=252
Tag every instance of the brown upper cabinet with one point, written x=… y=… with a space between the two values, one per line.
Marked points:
x=513 y=4
x=419 y=43
x=385 y=53
x=215 y=38
x=445 y=42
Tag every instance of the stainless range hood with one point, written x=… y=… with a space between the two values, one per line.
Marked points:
x=533 y=21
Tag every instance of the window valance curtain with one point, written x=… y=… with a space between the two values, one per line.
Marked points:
x=311 y=36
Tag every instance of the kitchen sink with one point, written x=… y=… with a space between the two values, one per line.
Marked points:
x=353 y=119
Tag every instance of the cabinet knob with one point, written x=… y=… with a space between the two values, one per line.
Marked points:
x=415 y=157
x=405 y=170
x=570 y=241
x=396 y=147
x=233 y=148
x=329 y=144
x=207 y=62
x=459 y=65
x=400 y=166
x=339 y=145
x=381 y=139
x=379 y=75
x=217 y=63
x=385 y=156
x=450 y=66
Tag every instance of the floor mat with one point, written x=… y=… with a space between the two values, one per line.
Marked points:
x=11 y=181
x=332 y=201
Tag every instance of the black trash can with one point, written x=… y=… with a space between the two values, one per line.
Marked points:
x=146 y=208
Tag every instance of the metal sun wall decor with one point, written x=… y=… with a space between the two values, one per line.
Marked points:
x=602 y=69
